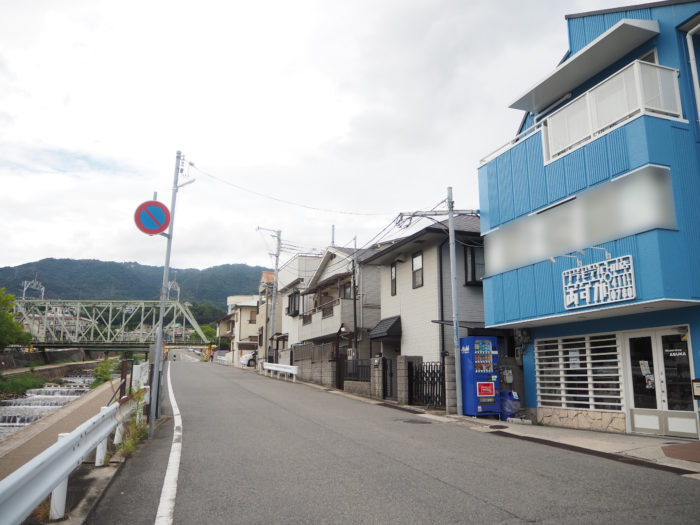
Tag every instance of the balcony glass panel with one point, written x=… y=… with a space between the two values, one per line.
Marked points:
x=639 y=87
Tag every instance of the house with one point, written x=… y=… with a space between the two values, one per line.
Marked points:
x=293 y=277
x=416 y=295
x=336 y=314
x=591 y=226
x=270 y=341
x=239 y=326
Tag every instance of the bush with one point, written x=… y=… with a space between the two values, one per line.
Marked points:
x=102 y=373
x=17 y=385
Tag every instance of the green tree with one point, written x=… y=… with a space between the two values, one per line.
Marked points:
x=11 y=332
x=208 y=331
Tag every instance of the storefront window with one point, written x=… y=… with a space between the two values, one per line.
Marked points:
x=579 y=372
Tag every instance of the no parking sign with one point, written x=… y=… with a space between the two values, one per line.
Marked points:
x=152 y=217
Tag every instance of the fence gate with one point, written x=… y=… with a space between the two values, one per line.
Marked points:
x=426 y=384
x=389 y=379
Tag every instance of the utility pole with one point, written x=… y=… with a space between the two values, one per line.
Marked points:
x=154 y=409
x=354 y=300
x=450 y=212
x=278 y=235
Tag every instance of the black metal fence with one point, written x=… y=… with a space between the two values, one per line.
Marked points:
x=426 y=384
x=357 y=370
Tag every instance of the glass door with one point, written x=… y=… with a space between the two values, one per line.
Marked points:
x=660 y=383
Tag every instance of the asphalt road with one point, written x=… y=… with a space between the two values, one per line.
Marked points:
x=258 y=450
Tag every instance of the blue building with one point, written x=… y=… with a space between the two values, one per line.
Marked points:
x=591 y=223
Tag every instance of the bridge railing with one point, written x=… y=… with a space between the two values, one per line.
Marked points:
x=23 y=490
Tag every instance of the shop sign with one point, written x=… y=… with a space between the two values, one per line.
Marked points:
x=601 y=283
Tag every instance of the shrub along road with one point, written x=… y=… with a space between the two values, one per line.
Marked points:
x=258 y=450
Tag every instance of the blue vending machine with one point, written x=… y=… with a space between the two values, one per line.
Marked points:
x=480 y=381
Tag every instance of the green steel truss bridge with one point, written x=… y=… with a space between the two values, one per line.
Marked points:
x=105 y=325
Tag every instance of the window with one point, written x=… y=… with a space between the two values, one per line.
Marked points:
x=581 y=373
x=474 y=264
x=393 y=278
x=293 y=304
x=253 y=316
x=417 y=266
x=346 y=291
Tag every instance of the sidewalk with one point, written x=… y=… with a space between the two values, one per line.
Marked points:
x=675 y=454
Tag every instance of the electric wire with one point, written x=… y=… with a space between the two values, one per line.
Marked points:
x=285 y=201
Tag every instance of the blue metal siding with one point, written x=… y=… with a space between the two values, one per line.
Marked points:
x=556 y=181
x=521 y=191
x=484 y=207
x=538 y=180
x=686 y=185
x=543 y=290
x=505 y=187
x=494 y=208
x=526 y=292
x=597 y=165
x=575 y=167
x=616 y=142
x=510 y=289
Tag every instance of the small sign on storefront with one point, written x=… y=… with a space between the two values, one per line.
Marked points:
x=696 y=388
x=601 y=283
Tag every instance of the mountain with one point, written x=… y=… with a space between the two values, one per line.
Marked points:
x=92 y=279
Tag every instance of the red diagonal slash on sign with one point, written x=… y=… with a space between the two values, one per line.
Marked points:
x=152 y=217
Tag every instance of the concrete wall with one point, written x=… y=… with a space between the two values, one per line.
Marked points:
x=319 y=372
x=360 y=388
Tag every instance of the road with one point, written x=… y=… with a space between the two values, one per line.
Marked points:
x=258 y=450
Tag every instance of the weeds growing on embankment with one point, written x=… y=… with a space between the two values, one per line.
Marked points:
x=16 y=386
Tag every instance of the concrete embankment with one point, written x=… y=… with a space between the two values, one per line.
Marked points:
x=23 y=445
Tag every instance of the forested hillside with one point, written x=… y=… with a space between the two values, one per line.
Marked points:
x=92 y=279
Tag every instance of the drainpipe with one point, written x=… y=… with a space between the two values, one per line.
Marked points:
x=694 y=68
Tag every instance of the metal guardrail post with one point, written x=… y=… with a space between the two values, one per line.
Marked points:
x=101 y=451
x=58 y=496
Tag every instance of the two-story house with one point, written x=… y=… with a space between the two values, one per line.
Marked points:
x=243 y=324
x=332 y=311
x=416 y=294
x=293 y=277
x=592 y=230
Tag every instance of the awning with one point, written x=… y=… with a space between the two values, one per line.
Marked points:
x=389 y=328
x=604 y=51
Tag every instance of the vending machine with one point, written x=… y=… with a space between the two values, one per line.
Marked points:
x=480 y=380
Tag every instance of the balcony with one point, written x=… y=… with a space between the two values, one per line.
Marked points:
x=326 y=319
x=639 y=88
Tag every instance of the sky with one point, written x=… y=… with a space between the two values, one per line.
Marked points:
x=306 y=117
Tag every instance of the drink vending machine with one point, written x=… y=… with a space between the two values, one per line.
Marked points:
x=480 y=379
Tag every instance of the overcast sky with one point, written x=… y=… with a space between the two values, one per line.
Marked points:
x=365 y=107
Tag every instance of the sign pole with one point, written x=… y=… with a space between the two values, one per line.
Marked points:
x=158 y=349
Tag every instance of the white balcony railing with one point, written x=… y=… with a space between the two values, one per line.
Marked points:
x=640 y=87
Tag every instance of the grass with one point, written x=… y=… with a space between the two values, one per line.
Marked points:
x=102 y=373
x=17 y=385
x=137 y=430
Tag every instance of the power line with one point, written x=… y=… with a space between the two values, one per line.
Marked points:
x=285 y=201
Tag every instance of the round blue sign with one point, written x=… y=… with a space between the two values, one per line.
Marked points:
x=152 y=217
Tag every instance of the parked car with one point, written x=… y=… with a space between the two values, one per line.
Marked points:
x=249 y=359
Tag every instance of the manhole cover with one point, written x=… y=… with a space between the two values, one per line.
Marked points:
x=417 y=421
x=497 y=427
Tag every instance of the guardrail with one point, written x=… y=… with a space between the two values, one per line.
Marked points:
x=23 y=490
x=221 y=360
x=281 y=369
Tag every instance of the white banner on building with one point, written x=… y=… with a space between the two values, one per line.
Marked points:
x=604 y=282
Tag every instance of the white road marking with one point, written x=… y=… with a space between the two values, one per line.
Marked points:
x=166 y=507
